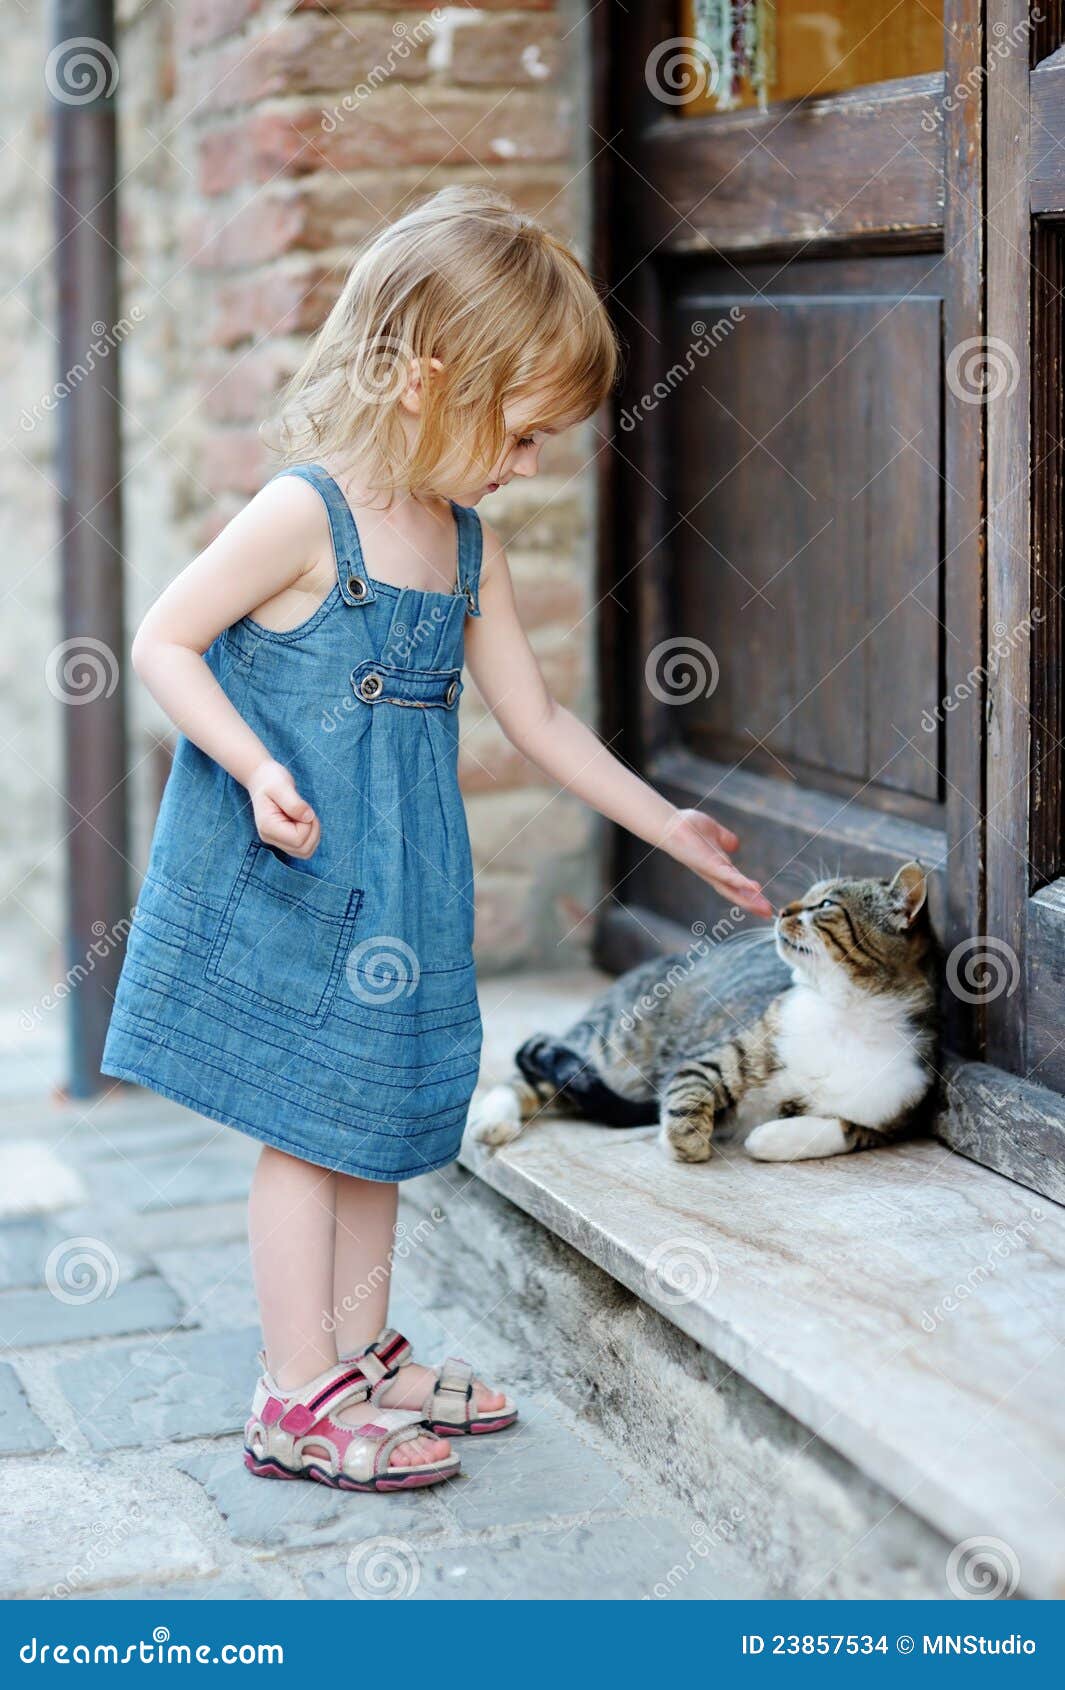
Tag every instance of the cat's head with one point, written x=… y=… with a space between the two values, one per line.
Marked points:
x=875 y=934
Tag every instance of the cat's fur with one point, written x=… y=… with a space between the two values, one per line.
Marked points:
x=842 y=1059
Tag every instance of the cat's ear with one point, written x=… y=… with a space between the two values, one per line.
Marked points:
x=908 y=892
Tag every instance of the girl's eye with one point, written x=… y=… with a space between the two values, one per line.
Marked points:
x=526 y=440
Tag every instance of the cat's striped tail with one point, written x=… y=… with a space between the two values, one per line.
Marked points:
x=555 y=1079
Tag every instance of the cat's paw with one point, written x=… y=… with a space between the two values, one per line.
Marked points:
x=685 y=1140
x=796 y=1139
x=495 y=1118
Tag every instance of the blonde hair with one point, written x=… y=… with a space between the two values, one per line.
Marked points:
x=464 y=278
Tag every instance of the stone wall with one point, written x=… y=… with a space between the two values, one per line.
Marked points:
x=260 y=140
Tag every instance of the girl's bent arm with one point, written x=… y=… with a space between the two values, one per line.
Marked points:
x=510 y=681
x=269 y=546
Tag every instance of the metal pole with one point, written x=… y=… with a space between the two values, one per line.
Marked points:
x=86 y=669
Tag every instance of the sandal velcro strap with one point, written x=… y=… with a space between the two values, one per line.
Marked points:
x=453 y=1391
x=391 y=1348
x=380 y=1360
x=343 y=1384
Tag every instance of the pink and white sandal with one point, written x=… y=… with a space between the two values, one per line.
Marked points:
x=449 y=1409
x=295 y=1435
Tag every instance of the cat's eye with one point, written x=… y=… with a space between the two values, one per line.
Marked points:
x=827 y=904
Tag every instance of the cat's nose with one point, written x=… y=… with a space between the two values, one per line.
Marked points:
x=790 y=909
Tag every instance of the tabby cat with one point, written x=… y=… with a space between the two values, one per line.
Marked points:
x=841 y=1059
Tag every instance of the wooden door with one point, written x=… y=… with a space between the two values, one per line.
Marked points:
x=793 y=560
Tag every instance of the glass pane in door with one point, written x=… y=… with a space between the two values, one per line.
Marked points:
x=807 y=47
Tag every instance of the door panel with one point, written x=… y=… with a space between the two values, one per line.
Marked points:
x=807 y=452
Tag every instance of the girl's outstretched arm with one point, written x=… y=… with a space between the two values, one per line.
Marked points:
x=268 y=547
x=509 y=679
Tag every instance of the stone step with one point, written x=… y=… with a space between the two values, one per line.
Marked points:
x=906 y=1307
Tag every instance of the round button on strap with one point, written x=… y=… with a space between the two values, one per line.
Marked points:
x=371 y=687
x=451 y=693
x=356 y=586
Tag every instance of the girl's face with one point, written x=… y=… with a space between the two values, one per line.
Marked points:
x=520 y=455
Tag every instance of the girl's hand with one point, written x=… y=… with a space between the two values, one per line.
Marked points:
x=702 y=844
x=282 y=817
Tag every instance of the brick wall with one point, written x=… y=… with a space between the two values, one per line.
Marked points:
x=259 y=140
x=311 y=123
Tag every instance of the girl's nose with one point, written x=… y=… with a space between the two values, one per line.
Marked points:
x=526 y=463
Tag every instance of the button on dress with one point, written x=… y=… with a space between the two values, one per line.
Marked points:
x=328 y=1006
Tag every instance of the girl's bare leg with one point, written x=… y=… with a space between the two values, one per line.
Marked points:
x=292 y=1227
x=365 y=1237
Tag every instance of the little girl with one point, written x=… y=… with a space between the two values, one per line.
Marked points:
x=300 y=963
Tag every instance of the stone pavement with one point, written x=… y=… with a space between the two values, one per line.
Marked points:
x=127 y=1356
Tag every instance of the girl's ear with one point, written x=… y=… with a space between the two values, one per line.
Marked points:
x=413 y=394
x=908 y=890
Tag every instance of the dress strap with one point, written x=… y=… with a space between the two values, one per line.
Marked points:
x=355 y=585
x=471 y=545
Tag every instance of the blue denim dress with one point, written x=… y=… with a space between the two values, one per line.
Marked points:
x=327 y=1006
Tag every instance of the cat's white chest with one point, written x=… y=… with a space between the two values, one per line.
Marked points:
x=847 y=1061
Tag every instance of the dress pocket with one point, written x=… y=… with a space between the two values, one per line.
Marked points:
x=283 y=937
